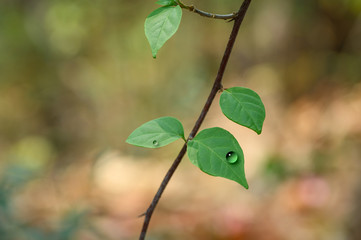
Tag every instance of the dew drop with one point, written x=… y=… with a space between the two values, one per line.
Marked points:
x=155 y=143
x=231 y=157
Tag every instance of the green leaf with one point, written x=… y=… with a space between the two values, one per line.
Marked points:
x=216 y=152
x=243 y=106
x=157 y=133
x=161 y=25
x=167 y=2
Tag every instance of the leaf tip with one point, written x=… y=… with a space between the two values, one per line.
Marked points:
x=154 y=53
x=128 y=141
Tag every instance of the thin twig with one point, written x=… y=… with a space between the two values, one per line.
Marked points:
x=206 y=14
x=216 y=87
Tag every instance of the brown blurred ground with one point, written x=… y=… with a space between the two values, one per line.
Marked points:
x=76 y=77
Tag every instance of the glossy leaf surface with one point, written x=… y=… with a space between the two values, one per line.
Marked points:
x=216 y=152
x=157 y=133
x=243 y=106
x=161 y=25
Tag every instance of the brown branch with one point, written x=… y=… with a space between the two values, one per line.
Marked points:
x=216 y=87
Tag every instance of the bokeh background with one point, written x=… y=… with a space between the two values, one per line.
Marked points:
x=77 y=77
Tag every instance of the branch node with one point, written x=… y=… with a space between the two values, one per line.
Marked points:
x=221 y=89
x=142 y=215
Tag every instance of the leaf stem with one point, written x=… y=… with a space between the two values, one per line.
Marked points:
x=216 y=87
x=207 y=14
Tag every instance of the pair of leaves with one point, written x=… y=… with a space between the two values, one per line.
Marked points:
x=215 y=151
x=162 y=24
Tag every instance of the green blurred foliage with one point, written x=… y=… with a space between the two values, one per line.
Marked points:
x=77 y=72
x=14 y=178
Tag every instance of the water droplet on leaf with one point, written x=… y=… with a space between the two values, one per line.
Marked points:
x=155 y=143
x=231 y=157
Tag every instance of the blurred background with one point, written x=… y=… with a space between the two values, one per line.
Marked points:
x=77 y=77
